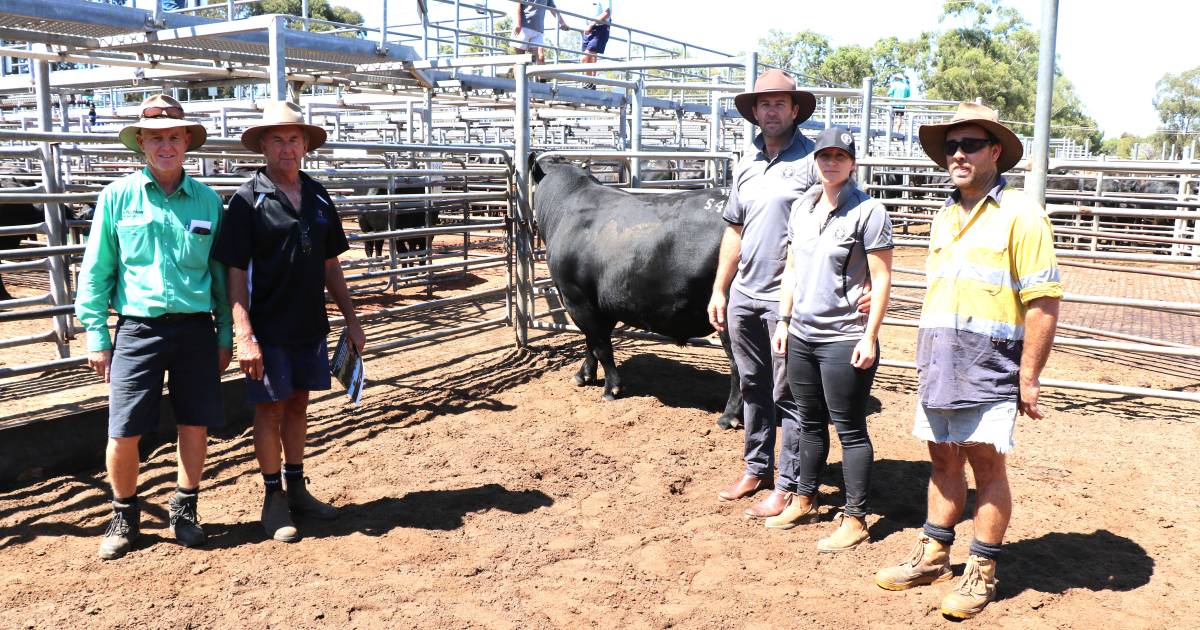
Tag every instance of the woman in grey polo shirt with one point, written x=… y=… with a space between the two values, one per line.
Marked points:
x=840 y=246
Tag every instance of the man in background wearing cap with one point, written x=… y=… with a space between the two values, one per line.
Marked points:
x=987 y=326
x=148 y=258
x=281 y=244
x=745 y=299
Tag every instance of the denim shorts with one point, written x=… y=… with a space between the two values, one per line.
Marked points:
x=288 y=368
x=145 y=351
x=989 y=423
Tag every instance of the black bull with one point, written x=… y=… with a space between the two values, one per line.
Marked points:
x=647 y=261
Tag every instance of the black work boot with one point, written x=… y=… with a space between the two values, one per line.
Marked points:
x=122 y=531
x=301 y=502
x=185 y=522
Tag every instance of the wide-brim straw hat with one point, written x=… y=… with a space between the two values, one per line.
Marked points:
x=933 y=137
x=282 y=114
x=775 y=82
x=128 y=135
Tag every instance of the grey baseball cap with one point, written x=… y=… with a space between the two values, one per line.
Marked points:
x=836 y=137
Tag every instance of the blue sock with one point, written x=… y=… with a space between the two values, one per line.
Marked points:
x=944 y=535
x=272 y=482
x=984 y=550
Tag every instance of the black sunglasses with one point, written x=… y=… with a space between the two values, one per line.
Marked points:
x=968 y=145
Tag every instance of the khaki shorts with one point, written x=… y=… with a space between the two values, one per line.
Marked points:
x=989 y=423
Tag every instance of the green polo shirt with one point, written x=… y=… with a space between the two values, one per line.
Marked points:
x=148 y=255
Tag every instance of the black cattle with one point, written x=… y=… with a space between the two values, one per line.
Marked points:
x=648 y=261
x=15 y=214
x=402 y=216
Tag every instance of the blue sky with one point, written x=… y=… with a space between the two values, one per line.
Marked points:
x=1114 y=52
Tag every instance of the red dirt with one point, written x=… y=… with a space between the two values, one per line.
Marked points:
x=480 y=488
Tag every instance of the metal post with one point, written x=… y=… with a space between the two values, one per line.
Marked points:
x=278 y=58
x=64 y=120
x=1039 y=161
x=53 y=212
x=908 y=137
x=457 y=26
x=714 y=123
x=523 y=303
x=828 y=112
x=229 y=17
x=635 y=133
x=751 y=75
x=383 y=28
x=304 y=14
x=427 y=116
x=864 y=145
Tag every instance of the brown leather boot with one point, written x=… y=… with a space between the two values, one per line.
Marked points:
x=929 y=563
x=770 y=506
x=799 y=509
x=744 y=487
x=851 y=532
x=974 y=591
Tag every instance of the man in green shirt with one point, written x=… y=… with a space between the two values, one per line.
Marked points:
x=148 y=259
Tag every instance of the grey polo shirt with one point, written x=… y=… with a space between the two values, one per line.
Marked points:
x=829 y=261
x=760 y=200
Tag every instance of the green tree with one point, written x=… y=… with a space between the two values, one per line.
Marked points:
x=1177 y=100
x=317 y=9
x=799 y=53
x=848 y=66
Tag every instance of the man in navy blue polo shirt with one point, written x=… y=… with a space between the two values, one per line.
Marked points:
x=281 y=242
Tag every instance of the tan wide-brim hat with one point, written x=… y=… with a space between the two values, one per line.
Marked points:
x=775 y=82
x=282 y=114
x=128 y=135
x=933 y=137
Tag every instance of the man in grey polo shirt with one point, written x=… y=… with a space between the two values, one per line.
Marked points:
x=745 y=296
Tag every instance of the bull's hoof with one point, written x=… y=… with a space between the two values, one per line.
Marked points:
x=580 y=381
x=729 y=421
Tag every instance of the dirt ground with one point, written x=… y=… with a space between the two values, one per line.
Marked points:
x=480 y=488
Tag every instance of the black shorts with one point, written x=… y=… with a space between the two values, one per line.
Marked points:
x=144 y=352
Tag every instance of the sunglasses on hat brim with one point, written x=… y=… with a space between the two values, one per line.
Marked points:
x=163 y=112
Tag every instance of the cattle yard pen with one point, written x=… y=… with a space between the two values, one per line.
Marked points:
x=455 y=132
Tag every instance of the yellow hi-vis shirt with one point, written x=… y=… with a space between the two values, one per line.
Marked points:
x=982 y=274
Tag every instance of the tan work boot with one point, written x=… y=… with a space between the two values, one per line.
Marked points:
x=851 y=532
x=974 y=591
x=929 y=563
x=277 y=519
x=798 y=510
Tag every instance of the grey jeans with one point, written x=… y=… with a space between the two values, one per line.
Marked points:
x=766 y=399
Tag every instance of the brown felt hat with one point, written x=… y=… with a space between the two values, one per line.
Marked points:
x=282 y=114
x=933 y=137
x=128 y=135
x=773 y=82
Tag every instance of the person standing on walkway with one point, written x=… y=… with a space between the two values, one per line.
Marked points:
x=987 y=327
x=281 y=243
x=530 y=30
x=840 y=249
x=745 y=297
x=147 y=258
x=595 y=36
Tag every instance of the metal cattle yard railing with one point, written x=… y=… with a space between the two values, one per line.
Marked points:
x=416 y=128
x=476 y=217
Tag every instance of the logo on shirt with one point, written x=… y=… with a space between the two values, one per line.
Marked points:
x=789 y=172
x=839 y=232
